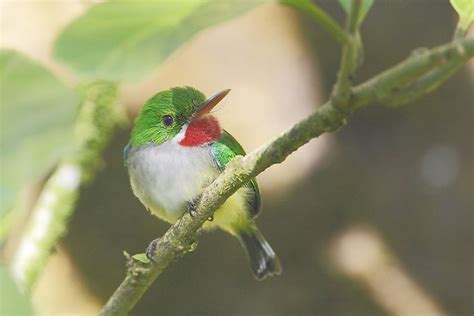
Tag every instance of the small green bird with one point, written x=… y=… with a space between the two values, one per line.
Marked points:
x=177 y=148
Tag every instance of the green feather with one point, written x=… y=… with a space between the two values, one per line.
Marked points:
x=180 y=103
x=226 y=148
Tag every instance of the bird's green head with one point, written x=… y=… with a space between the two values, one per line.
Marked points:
x=177 y=111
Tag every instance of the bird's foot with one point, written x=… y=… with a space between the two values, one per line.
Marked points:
x=150 y=250
x=192 y=206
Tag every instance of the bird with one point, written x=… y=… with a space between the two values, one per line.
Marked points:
x=176 y=149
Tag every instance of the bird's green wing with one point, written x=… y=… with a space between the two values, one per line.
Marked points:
x=223 y=150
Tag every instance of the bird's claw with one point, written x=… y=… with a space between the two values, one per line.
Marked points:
x=150 y=250
x=192 y=206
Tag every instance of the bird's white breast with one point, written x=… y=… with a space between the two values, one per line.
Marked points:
x=166 y=177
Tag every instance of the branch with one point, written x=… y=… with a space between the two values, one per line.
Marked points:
x=404 y=78
x=49 y=219
x=181 y=237
x=320 y=16
x=340 y=94
x=426 y=83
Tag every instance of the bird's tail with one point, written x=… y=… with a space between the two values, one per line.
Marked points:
x=263 y=260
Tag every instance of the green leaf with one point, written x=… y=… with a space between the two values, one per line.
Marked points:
x=126 y=40
x=37 y=114
x=465 y=9
x=12 y=301
x=141 y=257
x=365 y=7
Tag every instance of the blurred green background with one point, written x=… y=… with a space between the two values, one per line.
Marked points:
x=405 y=173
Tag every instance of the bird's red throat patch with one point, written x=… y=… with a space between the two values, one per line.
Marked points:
x=202 y=130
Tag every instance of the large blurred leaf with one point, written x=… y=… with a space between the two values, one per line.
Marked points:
x=37 y=113
x=465 y=9
x=12 y=302
x=125 y=39
x=364 y=9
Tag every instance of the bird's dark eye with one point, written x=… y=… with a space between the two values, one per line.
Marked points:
x=167 y=120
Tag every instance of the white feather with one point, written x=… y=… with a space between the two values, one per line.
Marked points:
x=165 y=177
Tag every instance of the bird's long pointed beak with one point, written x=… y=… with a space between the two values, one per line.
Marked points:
x=210 y=103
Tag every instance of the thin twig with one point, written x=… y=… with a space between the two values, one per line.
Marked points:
x=352 y=23
x=320 y=17
x=400 y=78
x=425 y=84
x=341 y=92
x=181 y=237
